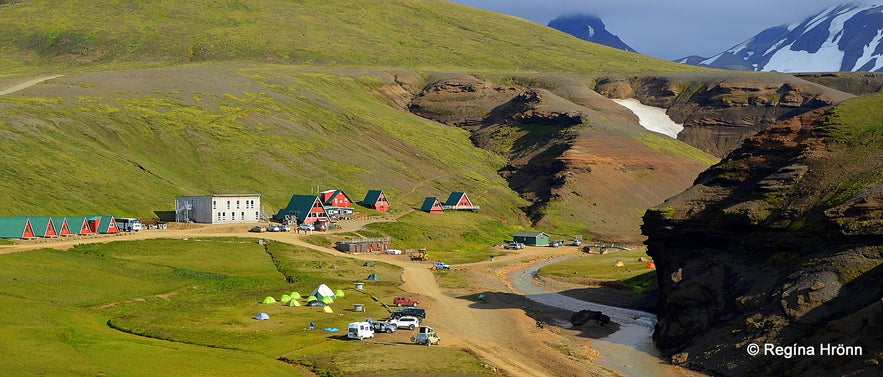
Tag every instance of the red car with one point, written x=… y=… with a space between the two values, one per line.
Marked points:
x=404 y=301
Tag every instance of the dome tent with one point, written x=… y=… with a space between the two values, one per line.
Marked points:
x=285 y=298
x=327 y=300
x=295 y=296
x=292 y=303
x=269 y=300
x=323 y=291
x=339 y=293
x=262 y=316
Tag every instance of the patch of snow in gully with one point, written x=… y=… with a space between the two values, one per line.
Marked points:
x=652 y=118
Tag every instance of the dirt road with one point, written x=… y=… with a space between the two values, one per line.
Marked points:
x=503 y=336
x=26 y=84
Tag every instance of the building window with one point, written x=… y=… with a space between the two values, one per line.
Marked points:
x=219 y=216
x=237 y=204
x=228 y=204
x=243 y=216
x=257 y=215
x=214 y=204
x=232 y=216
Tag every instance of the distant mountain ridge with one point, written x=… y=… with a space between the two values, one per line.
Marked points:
x=589 y=28
x=843 y=38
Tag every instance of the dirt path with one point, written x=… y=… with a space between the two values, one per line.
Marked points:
x=26 y=84
x=503 y=336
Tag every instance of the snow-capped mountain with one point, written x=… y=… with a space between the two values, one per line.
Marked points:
x=589 y=28
x=841 y=38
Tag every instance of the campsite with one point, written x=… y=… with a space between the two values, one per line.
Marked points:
x=199 y=297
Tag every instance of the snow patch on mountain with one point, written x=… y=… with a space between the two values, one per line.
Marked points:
x=652 y=118
x=846 y=37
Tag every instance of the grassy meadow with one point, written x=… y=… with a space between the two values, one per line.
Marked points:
x=602 y=267
x=173 y=307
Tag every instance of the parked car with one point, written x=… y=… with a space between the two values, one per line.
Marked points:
x=274 y=228
x=556 y=243
x=514 y=246
x=425 y=336
x=409 y=312
x=258 y=229
x=359 y=330
x=393 y=251
x=309 y=227
x=576 y=242
x=407 y=322
x=384 y=326
x=405 y=301
x=441 y=266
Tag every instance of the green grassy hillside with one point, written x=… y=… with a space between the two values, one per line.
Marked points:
x=395 y=33
x=128 y=142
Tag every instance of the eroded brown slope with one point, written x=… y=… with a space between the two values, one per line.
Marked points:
x=582 y=160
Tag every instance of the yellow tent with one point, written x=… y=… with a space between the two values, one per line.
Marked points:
x=327 y=309
x=619 y=263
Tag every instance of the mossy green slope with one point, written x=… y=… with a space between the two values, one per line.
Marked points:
x=395 y=33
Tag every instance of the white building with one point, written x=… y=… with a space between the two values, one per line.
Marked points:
x=218 y=209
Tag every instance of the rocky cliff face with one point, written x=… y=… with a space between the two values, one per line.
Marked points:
x=781 y=243
x=718 y=111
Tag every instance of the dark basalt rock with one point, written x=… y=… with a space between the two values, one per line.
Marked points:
x=781 y=243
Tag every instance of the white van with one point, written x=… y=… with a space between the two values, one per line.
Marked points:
x=128 y=224
x=359 y=330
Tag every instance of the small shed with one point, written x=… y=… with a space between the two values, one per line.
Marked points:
x=532 y=238
x=376 y=199
x=431 y=205
x=363 y=245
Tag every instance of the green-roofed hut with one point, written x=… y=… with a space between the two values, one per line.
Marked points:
x=43 y=226
x=306 y=209
x=103 y=224
x=431 y=205
x=376 y=199
x=79 y=226
x=61 y=226
x=532 y=238
x=16 y=228
x=460 y=201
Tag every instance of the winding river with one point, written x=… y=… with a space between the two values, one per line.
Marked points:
x=629 y=351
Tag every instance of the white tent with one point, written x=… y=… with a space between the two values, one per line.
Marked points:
x=262 y=316
x=323 y=291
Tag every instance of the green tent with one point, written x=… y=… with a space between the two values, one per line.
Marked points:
x=295 y=296
x=327 y=300
x=285 y=298
x=292 y=303
x=339 y=293
x=269 y=300
x=311 y=298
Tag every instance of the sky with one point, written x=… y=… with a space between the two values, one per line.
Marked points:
x=670 y=29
